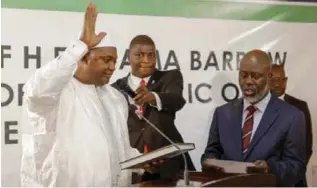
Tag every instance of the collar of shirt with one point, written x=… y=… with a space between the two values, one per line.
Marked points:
x=135 y=81
x=261 y=106
x=282 y=97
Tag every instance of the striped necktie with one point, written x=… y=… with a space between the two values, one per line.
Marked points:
x=247 y=129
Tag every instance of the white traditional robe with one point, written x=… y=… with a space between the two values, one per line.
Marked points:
x=73 y=134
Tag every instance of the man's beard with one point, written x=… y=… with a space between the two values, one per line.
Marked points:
x=258 y=96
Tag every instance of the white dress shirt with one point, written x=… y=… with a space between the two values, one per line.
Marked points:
x=134 y=83
x=260 y=106
x=282 y=97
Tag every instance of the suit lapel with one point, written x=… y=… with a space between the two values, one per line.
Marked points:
x=156 y=76
x=288 y=99
x=235 y=126
x=268 y=118
x=125 y=80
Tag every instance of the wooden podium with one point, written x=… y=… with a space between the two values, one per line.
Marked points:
x=217 y=179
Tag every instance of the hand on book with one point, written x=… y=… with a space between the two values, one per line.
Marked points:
x=260 y=167
x=207 y=167
x=154 y=166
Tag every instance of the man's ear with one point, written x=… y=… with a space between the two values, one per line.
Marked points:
x=88 y=57
x=128 y=55
x=270 y=75
x=286 y=78
x=128 y=52
x=85 y=58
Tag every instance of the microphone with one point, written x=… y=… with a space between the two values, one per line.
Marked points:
x=125 y=88
x=140 y=115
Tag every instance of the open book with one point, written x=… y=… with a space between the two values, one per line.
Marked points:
x=162 y=153
x=228 y=166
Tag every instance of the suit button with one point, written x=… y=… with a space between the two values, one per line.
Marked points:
x=142 y=129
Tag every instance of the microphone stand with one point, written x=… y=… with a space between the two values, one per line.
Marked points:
x=126 y=89
x=186 y=174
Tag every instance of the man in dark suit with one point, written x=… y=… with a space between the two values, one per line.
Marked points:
x=159 y=97
x=259 y=127
x=278 y=82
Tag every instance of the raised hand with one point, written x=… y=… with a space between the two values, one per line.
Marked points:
x=88 y=34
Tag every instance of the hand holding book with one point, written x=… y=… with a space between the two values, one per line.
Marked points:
x=260 y=167
x=226 y=166
x=154 y=166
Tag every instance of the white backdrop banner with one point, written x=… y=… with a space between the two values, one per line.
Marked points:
x=206 y=48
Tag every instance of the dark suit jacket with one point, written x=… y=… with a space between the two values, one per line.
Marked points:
x=302 y=105
x=279 y=139
x=168 y=85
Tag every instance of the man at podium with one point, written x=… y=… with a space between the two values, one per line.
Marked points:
x=259 y=127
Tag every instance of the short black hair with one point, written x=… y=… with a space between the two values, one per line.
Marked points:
x=276 y=66
x=141 y=39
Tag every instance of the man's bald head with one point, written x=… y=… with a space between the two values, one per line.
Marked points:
x=253 y=75
x=256 y=58
x=278 y=80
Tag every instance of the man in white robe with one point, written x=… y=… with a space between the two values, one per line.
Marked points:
x=75 y=133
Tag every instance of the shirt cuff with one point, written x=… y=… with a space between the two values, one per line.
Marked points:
x=138 y=171
x=158 y=102
x=75 y=51
x=157 y=98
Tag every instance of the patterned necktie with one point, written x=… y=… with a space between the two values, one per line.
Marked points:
x=145 y=147
x=247 y=129
x=142 y=84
